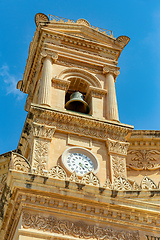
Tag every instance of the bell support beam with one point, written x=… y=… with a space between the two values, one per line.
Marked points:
x=112 y=108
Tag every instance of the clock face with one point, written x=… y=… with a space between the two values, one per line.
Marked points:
x=79 y=160
x=79 y=163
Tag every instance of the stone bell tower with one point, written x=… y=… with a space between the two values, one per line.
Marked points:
x=64 y=177
x=67 y=57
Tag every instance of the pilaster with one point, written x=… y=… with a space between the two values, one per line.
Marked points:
x=117 y=152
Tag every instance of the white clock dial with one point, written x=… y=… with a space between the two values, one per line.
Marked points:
x=79 y=160
x=79 y=163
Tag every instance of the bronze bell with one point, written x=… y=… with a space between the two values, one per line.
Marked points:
x=77 y=103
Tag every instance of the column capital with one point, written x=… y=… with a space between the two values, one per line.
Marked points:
x=117 y=147
x=114 y=71
x=51 y=55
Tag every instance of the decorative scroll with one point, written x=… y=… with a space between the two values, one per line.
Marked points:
x=148 y=184
x=122 y=184
x=20 y=163
x=90 y=179
x=143 y=160
x=57 y=172
x=75 y=229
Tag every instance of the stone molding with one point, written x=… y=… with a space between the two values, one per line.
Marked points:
x=143 y=160
x=74 y=229
x=95 y=92
x=43 y=131
x=117 y=147
x=74 y=123
x=60 y=84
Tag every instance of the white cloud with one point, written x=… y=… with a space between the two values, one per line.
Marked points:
x=10 y=82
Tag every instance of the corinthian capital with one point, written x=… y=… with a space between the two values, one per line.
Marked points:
x=114 y=71
x=117 y=147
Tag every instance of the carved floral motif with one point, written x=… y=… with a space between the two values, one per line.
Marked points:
x=3 y=178
x=117 y=146
x=122 y=184
x=43 y=131
x=148 y=184
x=40 y=156
x=75 y=229
x=90 y=179
x=143 y=160
x=57 y=172
x=118 y=164
x=73 y=177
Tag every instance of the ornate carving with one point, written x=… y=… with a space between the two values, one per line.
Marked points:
x=90 y=179
x=143 y=160
x=40 y=156
x=43 y=131
x=73 y=177
x=135 y=185
x=47 y=54
x=123 y=40
x=60 y=84
x=80 y=125
x=83 y=22
x=40 y=17
x=122 y=184
x=107 y=184
x=74 y=229
x=118 y=165
x=117 y=147
x=20 y=163
x=148 y=184
x=57 y=172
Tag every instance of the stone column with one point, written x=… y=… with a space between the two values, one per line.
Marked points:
x=45 y=82
x=117 y=152
x=112 y=108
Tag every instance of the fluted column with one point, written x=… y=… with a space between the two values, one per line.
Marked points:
x=45 y=82
x=112 y=108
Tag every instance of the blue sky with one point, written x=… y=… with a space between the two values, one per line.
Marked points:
x=137 y=86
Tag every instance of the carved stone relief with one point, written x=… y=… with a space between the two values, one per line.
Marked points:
x=117 y=147
x=118 y=167
x=148 y=184
x=143 y=159
x=57 y=172
x=107 y=184
x=90 y=179
x=18 y=162
x=3 y=178
x=75 y=229
x=43 y=131
x=122 y=184
x=40 y=156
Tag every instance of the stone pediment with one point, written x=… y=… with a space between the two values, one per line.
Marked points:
x=81 y=29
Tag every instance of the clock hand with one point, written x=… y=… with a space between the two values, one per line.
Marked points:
x=81 y=166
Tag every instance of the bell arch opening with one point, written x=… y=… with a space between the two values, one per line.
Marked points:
x=80 y=81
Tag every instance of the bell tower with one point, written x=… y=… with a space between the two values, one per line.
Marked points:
x=70 y=81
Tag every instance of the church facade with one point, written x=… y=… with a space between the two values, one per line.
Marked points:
x=78 y=172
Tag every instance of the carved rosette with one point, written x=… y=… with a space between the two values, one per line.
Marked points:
x=74 y=229
x=117 y=153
